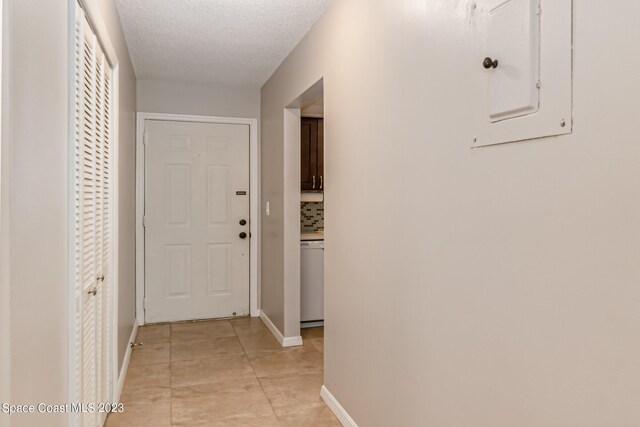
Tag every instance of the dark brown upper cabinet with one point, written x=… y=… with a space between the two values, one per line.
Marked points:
x=312 y=154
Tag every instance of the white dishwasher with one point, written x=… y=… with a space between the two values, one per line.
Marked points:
x=311 y=283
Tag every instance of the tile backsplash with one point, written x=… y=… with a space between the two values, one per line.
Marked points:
x=311 y=216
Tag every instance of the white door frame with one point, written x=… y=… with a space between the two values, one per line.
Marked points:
x=254 y=200
x=94 y=16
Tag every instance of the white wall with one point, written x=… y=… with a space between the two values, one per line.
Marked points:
x=34 y=235
x=496 y=286
x=160 y=96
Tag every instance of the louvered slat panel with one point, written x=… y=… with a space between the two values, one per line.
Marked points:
x=99 y=142
x=77 y=194
x=89 y=222
x=106 y=224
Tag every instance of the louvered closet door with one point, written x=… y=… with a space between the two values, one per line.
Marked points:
x=102 y=193
x=93 y=218
x=105 y=213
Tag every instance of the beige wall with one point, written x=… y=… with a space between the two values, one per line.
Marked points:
x=127 y=179
x=496 y=286
x=160 y=96
x=37 y=144
x=5 y=330
x=35 y=201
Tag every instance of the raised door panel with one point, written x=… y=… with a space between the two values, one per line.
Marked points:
x=178 y=200
x=177 y=274
x=218 y=196
x=218 y=268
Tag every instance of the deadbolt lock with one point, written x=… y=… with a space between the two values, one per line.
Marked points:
x=490 y=63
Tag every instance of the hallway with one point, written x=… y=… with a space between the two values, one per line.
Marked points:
x=223 y=373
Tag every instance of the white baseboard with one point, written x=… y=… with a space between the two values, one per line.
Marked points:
x=284 y=341
x=125 y=362
x=292 y=341
x=316 y=324
x=337 y=408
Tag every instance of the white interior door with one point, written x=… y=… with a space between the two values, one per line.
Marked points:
x=196 y=220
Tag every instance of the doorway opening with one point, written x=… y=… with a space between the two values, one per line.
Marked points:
x=305 y=185
x=312 y=214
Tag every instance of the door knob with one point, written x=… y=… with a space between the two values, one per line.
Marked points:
x=93 y=291
x=100 y=278
x=490 y=63
x=243 y=235
x=243 y=222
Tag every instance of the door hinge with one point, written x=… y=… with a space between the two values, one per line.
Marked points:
x=144 y=303
x=144 y=220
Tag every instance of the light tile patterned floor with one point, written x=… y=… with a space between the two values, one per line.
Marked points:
x=223 y=373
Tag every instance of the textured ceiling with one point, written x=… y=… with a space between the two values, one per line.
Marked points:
x=234 y=42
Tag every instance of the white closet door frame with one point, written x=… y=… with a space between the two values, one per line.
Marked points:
x=254 y=201
x=93 y=15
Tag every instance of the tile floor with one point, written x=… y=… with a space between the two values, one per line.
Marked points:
x=223 y=373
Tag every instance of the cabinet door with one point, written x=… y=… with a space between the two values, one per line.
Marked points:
x=309 y=154
x=320 y=154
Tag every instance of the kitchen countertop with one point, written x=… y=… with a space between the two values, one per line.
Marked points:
x=312 y=235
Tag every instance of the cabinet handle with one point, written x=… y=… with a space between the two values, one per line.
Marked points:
x=321 y=182
x=313 y=182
